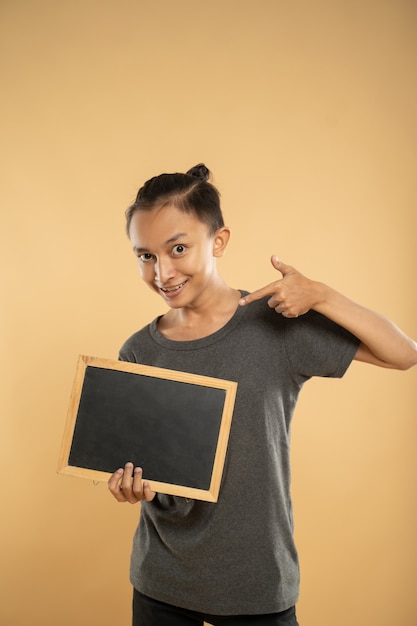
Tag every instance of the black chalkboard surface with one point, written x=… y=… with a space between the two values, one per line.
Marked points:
x=175 y=425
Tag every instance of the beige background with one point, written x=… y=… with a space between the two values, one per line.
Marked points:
x=305 y=112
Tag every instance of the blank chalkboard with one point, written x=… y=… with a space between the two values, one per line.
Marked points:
x=175 y=425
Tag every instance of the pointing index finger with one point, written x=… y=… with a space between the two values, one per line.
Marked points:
x=257 y=295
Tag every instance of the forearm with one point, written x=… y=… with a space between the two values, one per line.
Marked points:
x=383 y=342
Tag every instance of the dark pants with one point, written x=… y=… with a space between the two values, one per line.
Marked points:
x=149 y=612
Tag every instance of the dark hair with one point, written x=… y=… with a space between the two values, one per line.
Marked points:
x=190 y=192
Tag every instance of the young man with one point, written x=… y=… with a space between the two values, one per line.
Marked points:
x=233 y=562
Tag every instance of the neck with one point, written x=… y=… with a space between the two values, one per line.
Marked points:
x=203 y=319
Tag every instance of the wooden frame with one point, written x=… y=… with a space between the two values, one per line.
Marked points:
x=173 y=424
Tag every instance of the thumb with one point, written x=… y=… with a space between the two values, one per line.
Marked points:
x=280 y=266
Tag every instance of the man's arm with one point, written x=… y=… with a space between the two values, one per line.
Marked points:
x=382 y=342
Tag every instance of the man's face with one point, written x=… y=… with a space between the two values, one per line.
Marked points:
x=176 y=254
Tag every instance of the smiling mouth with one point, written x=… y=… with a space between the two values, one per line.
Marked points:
x=172 y=289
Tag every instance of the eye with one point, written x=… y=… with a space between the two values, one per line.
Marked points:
x=146 y=257
x=178 y=249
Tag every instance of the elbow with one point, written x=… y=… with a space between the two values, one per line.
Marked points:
x=403 y=367
x=402 y=359
x=407 y=365
x=410 y=359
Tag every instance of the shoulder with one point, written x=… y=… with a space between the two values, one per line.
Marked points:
x=136 y=342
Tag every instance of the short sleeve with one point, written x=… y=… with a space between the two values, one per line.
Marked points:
x=316 y=346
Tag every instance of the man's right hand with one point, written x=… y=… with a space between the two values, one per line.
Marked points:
x=126 y=485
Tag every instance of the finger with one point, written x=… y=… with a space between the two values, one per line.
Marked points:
x=114 y=480
x=270 y=289
x=114 y=485
x=147 y=492
x=287 y=314
x=281 y=266
x=258 y=294
x=127 y=477
x=279 y=308
x=141 y=489
x=126 y=485
x=137 y=484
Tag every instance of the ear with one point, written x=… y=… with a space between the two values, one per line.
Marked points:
x=220 y=241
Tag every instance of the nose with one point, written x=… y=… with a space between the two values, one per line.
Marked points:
x=164 y=270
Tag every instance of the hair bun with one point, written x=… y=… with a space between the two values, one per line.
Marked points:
x=200 y=171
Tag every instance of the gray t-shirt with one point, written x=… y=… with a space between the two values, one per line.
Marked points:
x=237 y=556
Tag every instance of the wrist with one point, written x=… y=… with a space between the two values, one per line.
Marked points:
x=321 y=294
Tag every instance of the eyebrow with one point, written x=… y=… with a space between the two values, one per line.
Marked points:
x=168 y=241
